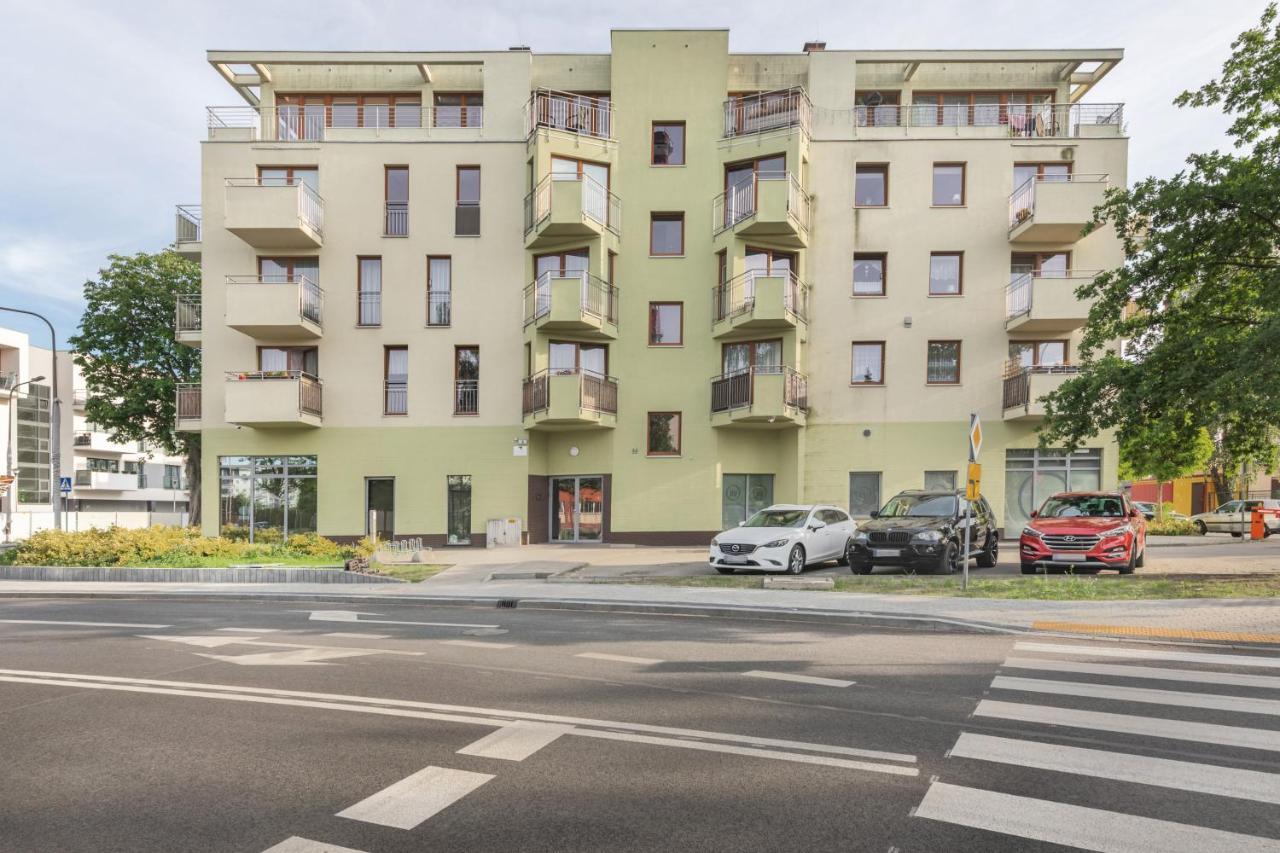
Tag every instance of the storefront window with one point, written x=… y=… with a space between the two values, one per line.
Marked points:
x=1032 y=475
x=264 y=498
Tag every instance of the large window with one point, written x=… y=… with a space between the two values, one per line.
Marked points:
x=1038 y=353
x=948 y=184
x=265 y=498
x=106 y=466
x=668 y=143
x=876 y=108
x=439 y=290
x=666 y=234
x=33 y=445
x=762 y=356
x=864 y=493
x=940 y=481
x=868 y=363
x=466 y=220
x=743 y=495
x=566 y=358
x=369 y=291
x=944 y=363
x=946 y=273
x=307 y=116
x=466 y=380
x=871 y=185
x=663 y=434
x=1041 y=264
x=1032 y=475
x=458 y=109
x=281 y=359
x=869 y=269
x=395 y=376
x=395 y=216
x=666 y=324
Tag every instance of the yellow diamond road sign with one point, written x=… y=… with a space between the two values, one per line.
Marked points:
x=975 y=436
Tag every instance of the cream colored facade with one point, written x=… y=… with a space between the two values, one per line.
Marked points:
x=564 y=451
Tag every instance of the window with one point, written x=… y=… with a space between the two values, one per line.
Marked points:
x=568 y=358
x=466 y=380
x=1040 y=264
x=666 y=324
x=943 y=363
x=369 y=291
x=877 y=108
x=466 y=220
x=762 y=356
x=289 y=176
x=459 y=509
x=864 y=493
x=307 y=116
x=129 y=466
x=439 y=290
x=33 y=440
x=666 y=234
x=1023 y=172
x=458 y=109
x=946 y=273
x=1038 y=353
x=395 y=370
x=289 y=359
x=668 y=143
x=94 y=463
x=868 y=363
x=258 y=493
x=871 y=186
x=940 y=481
x=948 y=184
x=285 y=270
x=869 y=273
x=172 y=477
x=1026 y=113
x=395 y=215
x=664 y=434
x=741 y=184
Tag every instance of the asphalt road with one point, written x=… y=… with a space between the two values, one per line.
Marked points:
x=265 y=725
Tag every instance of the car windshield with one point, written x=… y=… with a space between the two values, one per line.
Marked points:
x=932 y=506
x=1090 y=506
x=778 y=518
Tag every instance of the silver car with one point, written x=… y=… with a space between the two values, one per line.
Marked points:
x=784 y=538
x=1234 y=517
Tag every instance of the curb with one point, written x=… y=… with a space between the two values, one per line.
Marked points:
x=243 y=574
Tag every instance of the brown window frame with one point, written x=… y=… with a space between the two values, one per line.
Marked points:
x=883 y=168
x=288 y=262
x=463 y=107
x=360 y=259
x=457 y=183
x=959 y=278
x=390 y=99
x=684 y=137
x=648 y=425
x=386 y=378
x=666 y=216
x=301 y=348
x=661 y=303
x=1040 y=164
x=752 y=343
x=869 y=111
x=576 y=252
x=864 y=384
x=959 y=359
x=456 y=349
x=386 y=198
x=964 y=183
x=919 y=99
x=431 y=258
x=577 y=354
x=1035 y=344
x=289 y=170
x=883 y=258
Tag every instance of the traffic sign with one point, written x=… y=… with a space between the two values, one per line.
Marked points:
x=64 y=485
x=975 y=436
x=973 y=486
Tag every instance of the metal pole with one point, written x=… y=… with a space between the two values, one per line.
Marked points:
x=968 y=523
x=55 y=425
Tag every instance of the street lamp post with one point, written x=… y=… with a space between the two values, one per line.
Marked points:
x=55 y=424
x=13 y=492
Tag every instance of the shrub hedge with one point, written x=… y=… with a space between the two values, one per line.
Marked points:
x=1171 y=527
x=169 y=546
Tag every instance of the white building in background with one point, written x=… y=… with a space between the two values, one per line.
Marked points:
x=125 y=484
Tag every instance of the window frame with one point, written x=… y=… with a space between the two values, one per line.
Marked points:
x=458 y=169
x=660 y=304
x=360 y=259
x=1036 y=343
x=959 y=276
x=388 y=99
x=959 y=360
x=648 y=435
x=883 y=169
x=577 y=355
x=463 y=107
x=964 y=183
x=430 y=291
x=919 y=99
x=666 y=216
x=303 y=349
x=879 y=502
x=386 y=378
x=853 y=361
x=883 y=257
x=684 y=136
x=458 y=348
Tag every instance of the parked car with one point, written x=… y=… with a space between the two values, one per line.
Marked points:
x=923 y=531
x=784 y=537
x=1084 y=530
x=1235 y=517
x=1150 y=511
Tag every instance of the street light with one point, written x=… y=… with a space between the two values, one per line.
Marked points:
x=13 y=492
x=55 y=421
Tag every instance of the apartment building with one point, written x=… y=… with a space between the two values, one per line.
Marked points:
x=631 y=297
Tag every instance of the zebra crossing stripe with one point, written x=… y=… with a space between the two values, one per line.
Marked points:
x=1151 y=654
x=1234 y=679
x=1182 y=699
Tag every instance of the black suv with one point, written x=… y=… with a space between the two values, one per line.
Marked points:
x=923 y=531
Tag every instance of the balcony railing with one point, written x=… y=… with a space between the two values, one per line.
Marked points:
x=1019 y=296
x=310 y=296
x=310 y=390
x=82 y=439
x=466 y=219
x=580 y=114
x=310 y=204
x=783 y=108
x=596 y=392
x=598 y=204
x=188 y=401
x=737 y=296
x=187 y=222
x=8 y=380
x=472 y=116
x=369 y=304
x=1017 y=380
x=395 y=219
x=597 y=297
x=187 y=313
x=741 y=201
x=439 y=308
x=1022 y=201
x=1018 y=120
x=79 y=397
x=314 y=123
x=395 y=398
x=466 y=396
x=736 y=390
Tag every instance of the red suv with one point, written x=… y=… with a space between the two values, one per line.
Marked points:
x=1084 y=530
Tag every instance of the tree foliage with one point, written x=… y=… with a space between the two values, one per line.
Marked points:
x=1197 y=300
x=130 y=359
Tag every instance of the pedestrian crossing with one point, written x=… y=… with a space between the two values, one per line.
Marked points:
x=1117 y=749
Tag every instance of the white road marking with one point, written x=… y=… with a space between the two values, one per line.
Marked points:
x=416 y=798
x=203 y=642
x=78 y=624
x=432 y=711
x=618 y=658
x=1264 y=739
x=1077 y=826
x=294 y=844
x=515 y=742
x=291 y=657
x=477 y=644
x=1151 y=654
x=1150 y=672
x=1124 y=767
x=1182 y=699
x=343 y=635
x=353 y=616
x=251 y=630
x=801 y=679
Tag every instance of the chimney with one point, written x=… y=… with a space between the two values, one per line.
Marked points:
x=814 y=46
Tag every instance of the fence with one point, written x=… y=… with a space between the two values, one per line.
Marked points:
x=783 y=108
x=1019 y=120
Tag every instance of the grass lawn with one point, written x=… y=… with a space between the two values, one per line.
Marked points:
x=411 y=572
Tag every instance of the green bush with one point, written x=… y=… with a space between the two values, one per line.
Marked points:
x=170 y=546
x=1172 y=527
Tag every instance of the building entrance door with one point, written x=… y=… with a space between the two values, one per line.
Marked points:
x=380 y=503
x=743 y=496
x=577 y=514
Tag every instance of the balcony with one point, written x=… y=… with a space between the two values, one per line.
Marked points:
x=187 y=407
x=1025 y=388
x=79 y=398
x=771 y=205
x=783 y=109
x=273 y=399
x=560 y=208
x=186 y=231
x=755 y=301
x=570 y=399
x=1054 y=208
x=575 y=303
x=403 y=122
x=989 y=121
x=1035 y=303
x=761 y=397
x=187 y=322
x=280 y=213
x=275 y=307
x=566 y=112
x=100 y=442
x=107 y=481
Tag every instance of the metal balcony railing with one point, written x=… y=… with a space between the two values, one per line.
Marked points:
x=583 y=115
x=598 y=204
x=596 y=392
x=1017 y=381
x=187 y=222
x=1022 y=201
x=187 y=317
x=1019 y=296
x=188 y=401
x=471 y=116
x=597 y=298
x=466 y=219
x=310 y=204
x=759 y=113
x=466 y=396
x=315 y=122
x=1045 y=120
x=369 y=304
x=395 y=219
x=79 y=397
x=741 y=201
x=310 y=389
x=310 y=295
x=395 y=397
x=736 y=390
x=737 y=296
x=439 y=307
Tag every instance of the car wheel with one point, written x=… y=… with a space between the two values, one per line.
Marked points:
x=795 y=561
x=1201 y=527
x=990 y=553
x=1142 y=558
x=724 y=570
x=859 y=567
x=846 y=555
x=949 y=562
x=1127 y=568
x=1028 y=568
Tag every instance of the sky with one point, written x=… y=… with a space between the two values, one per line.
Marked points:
x=106 y=99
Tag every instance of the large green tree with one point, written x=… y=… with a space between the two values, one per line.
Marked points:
x=1197 y=301
x=130 y=358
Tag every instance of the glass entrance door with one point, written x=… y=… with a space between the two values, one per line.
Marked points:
x=380 y=498
x=578 y=511
x=743 y=496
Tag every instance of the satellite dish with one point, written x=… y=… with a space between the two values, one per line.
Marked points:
x=875 y=99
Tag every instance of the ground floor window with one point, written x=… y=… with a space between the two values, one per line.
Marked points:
x=1031 y=475
x=578 y=511
x=942 y=481
x=864 y=493
x=743 y=495
x=459 y=509
x=264 y=498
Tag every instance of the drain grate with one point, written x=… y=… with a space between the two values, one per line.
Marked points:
x=509 y=603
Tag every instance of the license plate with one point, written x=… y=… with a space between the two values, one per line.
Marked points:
x=735 y=559
x=1070 y=558
x=886 y=552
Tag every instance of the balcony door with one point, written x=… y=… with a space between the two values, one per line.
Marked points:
x=566 y=357
x=765 y=262
x=380 y=507
x=740 y=184
x=578 y=511
x=279 y=359
x=761 y=355
x=568 y=264
x=742 y=496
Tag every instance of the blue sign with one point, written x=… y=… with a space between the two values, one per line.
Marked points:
x=64 y=485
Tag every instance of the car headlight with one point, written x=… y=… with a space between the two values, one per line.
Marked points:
x=928 y=536
x=859 y=537
x=777 y=543
x=1031 y=531
x=1116 y=531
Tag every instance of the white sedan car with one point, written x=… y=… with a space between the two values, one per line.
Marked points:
x=784 y=538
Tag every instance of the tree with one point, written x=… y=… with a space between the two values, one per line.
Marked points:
x=1197 y=300
x=130 y=358
x=1149 y=454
